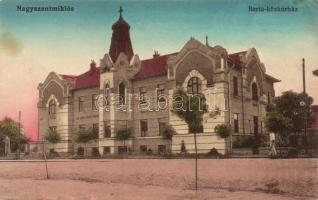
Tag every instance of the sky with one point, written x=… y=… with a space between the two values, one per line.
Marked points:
x=34 y=44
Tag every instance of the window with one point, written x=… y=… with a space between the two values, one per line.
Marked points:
x=122 y=149
x=236 y=124
x=222 y=63
x=121 y=93
x=143 y=128
x=235 y=86
x=52 y=128
x=95 y=128
x=255 y=121
x=107 y=130
x=254 y=92
x=160 y=93
x=106 y=95
x=218 y=62
x=94 y=102
x=107 y=150
x=80 y=151
x=143 y=148
x=161 y=149
x=162 y=125
x=171 y=72
x=142 y=95
x=52 y=107
x=268 y=97
x=194 y=85
x=80 y=104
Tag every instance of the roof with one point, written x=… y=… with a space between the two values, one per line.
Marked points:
x=235 y=57
x=69 y=77
x=153 y=67
x=275 y=80
x=86 y=80
x=120 y=42
x=314 y=126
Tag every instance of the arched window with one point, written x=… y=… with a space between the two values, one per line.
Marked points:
x=194 y=85
x=121 y=93
x=254 y=92
x=106 y=94
x=52 y=107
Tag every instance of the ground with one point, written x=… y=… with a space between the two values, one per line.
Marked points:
x=160 y=179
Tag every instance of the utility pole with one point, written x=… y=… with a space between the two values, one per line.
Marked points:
x=19 y=141
x=305 y=106
x=196 y=160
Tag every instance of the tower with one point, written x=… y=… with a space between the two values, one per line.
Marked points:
x=120 y=42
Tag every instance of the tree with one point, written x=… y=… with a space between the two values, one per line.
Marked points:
x=191 y=109
x=222 y=130
x=123 y=134
x=86 y=135
x=167 y=132
x=11 y=128
x=285 y=115
x=53 y=137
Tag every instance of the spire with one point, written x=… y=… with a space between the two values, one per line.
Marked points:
x=120 y=42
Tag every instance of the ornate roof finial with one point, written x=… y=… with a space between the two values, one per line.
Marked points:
x=120 y=11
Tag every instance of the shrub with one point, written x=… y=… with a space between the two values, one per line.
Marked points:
x=223 y=130
x=167 y=132
x=123 y=134
x=214 y=153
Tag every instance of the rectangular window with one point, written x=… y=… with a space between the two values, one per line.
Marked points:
x=80 y=104
x=235 y=86
x=236 y=123
x=142 y=95
x=94 y=102
x=162 y=125
x=143 y=127
x=268 y=97
x=160 y=93
x=122 y=149
x=107 y=130
x=95 y=128
x=162 y=149
x=107 y=150
x=143 y=148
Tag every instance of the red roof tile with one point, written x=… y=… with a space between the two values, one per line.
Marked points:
x=154 y=67
x=314 y=126
x=85 y=80
x=69 y=77
x=88 y=79
x=235 y=57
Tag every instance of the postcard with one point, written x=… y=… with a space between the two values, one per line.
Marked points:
x=150 y=99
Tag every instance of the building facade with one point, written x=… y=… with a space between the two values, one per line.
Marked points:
x=124 y=91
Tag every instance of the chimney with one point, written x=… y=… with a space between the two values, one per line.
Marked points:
x=156 y=54
x=93 y=65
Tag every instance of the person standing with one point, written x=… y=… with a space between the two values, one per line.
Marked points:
x=272 y=149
